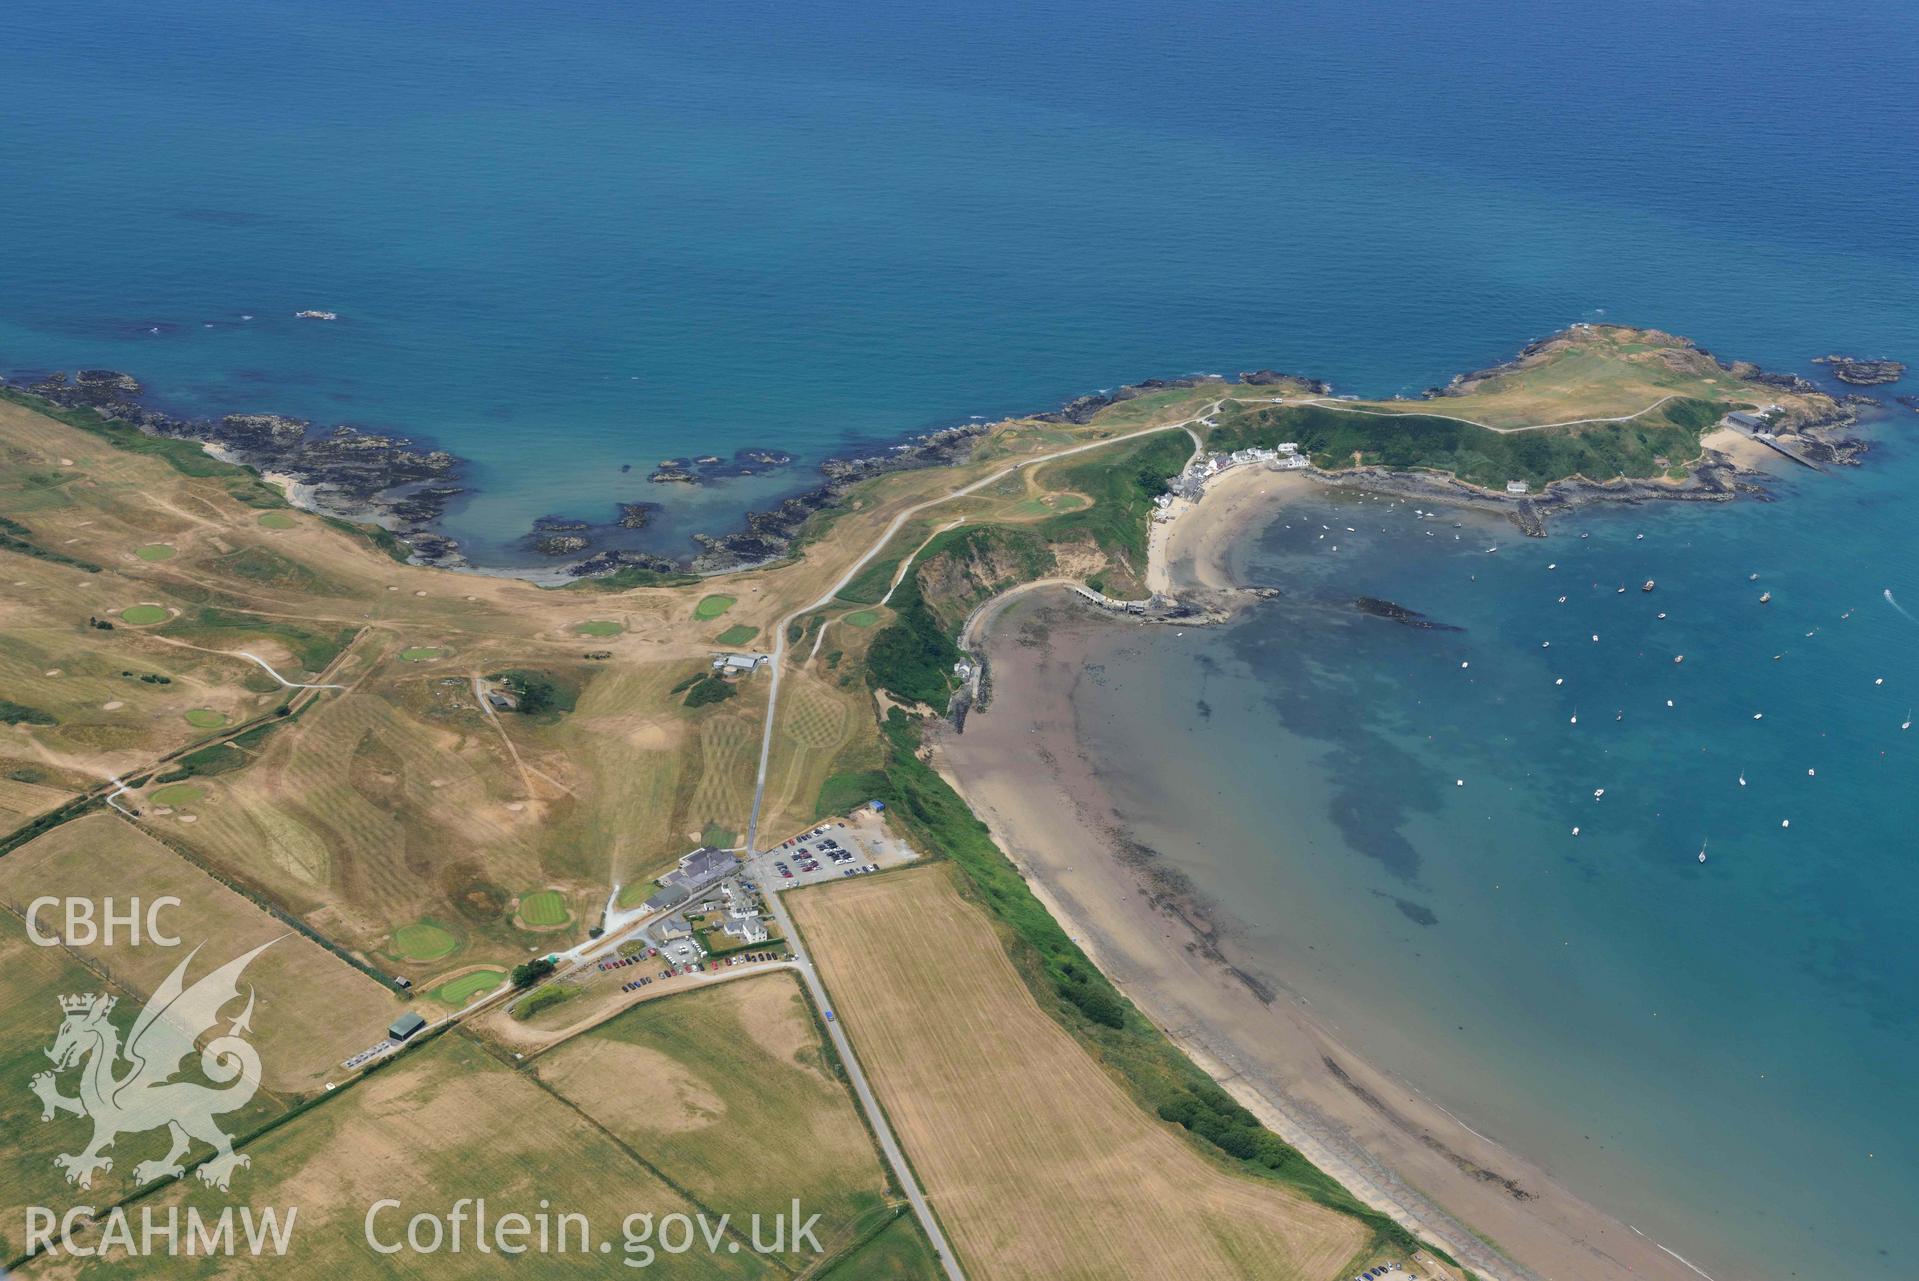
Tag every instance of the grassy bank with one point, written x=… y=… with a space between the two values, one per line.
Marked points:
x=1645 y=447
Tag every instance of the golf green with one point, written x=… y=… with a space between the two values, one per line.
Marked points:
x=599 y=627
x=423 y=941
x=714 y=606
x=278 y=520
x=177 y=794
x=154 y=551
x=737 y=634
x=543 y=908
x=143 y=615
x=205 y=718
x=863 y=617
x=463 y=989
x=421 y=653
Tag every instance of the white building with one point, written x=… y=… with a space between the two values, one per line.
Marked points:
x=1288 y=448
x=739 y=664
x=746 y=926
x=1517 y=487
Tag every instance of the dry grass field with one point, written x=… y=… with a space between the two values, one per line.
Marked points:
x=448 y=1121
x=730 y=1088
x=1038 y=1164
x=312 y=1009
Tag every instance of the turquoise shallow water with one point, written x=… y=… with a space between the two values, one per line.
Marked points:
x=1721 y=1052
x=570 y=236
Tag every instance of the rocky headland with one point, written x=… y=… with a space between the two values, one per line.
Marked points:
x=359 y=475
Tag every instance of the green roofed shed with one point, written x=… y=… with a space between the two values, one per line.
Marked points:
x=406 y=1025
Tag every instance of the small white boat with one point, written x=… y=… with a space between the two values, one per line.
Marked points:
x=1702 y=851
x=316 y=315
x=1575 y=719
x=1598 y=792
x=1765 y=598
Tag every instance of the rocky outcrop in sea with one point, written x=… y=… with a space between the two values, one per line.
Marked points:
x=1862 y=373
x=769 y=534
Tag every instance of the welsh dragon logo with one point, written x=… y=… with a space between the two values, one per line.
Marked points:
x=130 y=1089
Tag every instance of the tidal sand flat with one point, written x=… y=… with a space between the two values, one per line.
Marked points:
x=1362 y=868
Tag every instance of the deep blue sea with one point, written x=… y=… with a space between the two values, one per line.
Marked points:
x=570 y=236
x=566 y=237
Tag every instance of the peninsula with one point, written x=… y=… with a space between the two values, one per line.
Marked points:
x=497 y=805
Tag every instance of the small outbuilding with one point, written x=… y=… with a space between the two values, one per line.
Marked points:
x=406 y=1025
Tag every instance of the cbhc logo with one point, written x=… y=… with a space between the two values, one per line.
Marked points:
x=84 y=922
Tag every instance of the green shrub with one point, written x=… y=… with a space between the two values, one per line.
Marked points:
x=539 y=692
x=527 y=973
x=709 y=689
x=913 y=656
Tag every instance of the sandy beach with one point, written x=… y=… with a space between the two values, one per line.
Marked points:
x=1382 y=1138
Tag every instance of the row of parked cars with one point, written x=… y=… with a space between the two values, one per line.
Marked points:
x=624 y=961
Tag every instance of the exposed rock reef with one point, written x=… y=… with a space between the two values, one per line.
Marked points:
x=768 y=534
x=1862 y=373
x=559 y=536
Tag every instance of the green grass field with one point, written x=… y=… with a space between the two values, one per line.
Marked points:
x=713 y=606
x=544 y=908
x=463 y=989
x=599 y=627
x=423 y=941
x=278 y=520
x=143 y=615
x=897 y=1252
x=862 y=617
x=155 y=551
x=205 y=718
x=737 y=634
x=421 y=653
x=178 y=794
